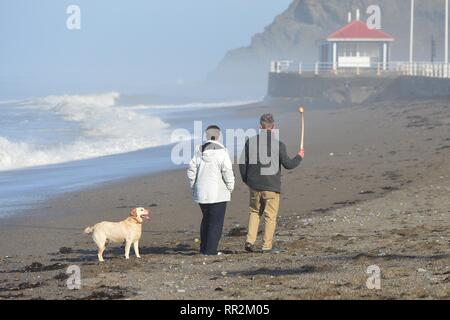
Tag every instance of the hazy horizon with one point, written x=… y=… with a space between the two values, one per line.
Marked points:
x=131 y=47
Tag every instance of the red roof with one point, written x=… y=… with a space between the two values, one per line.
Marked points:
x=358 y=30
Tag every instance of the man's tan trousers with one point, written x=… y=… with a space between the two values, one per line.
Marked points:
x=266 y=204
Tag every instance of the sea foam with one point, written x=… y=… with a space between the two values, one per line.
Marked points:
x=58 y=129
x=104 y=129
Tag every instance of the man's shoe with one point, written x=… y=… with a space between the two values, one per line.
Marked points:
x=250 y=247
x=271 y=251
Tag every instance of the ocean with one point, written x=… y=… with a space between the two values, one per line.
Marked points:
x=56 y=144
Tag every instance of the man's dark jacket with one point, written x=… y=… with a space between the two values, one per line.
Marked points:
x=252 y=173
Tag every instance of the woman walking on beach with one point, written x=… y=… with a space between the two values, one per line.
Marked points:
x=211 y=178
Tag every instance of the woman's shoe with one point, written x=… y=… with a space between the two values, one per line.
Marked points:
x=212 y=255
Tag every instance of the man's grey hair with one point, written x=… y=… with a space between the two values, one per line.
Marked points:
x=267 y=120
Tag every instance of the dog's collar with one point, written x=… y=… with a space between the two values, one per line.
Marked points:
x=136 y=220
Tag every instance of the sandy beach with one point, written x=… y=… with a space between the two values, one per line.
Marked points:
x=372 y=190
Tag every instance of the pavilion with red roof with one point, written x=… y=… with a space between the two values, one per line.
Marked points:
x=356 y=46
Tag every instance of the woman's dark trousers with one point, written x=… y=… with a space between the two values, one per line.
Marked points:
x=211 y=227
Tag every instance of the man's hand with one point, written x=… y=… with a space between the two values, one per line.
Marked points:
x=302 y=153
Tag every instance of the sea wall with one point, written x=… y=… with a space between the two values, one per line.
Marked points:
x=335 y=91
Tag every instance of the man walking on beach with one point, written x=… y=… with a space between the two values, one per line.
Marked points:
x=265 y=183
x=211 y=178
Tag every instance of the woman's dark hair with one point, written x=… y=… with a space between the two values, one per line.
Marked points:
x=213 y=132
x=214 y=127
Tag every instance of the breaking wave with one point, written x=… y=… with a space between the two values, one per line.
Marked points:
x=57 y=129
x=102 y=128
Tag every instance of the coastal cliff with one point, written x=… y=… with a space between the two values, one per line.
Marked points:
x=293 y=35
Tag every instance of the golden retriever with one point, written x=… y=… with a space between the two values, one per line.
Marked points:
x=128 y=231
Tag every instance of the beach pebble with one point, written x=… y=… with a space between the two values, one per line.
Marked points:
x=332 y=154
x=181 y=291
x=420 y=270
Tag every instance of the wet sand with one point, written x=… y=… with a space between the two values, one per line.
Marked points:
x=373 y=190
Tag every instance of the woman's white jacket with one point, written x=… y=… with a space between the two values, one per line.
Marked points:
x=210 y=174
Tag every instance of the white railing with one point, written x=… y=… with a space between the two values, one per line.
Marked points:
x=416 y=69
x=424 y=69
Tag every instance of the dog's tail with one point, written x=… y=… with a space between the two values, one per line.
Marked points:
x=89 y=230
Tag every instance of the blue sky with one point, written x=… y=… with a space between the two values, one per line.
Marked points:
x=129 y=46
